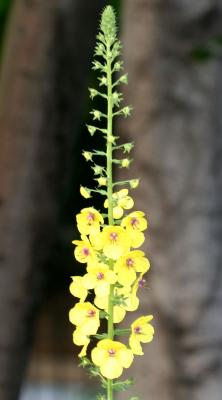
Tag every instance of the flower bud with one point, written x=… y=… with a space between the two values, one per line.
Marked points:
x=97 y=169
x=134 y=183
x=91 y=129
x=125 y=163
x=102 y=181
x=85 y=192
x=87 y=155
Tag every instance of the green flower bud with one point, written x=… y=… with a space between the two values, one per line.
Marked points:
x=93 y=93
x=127 y=147
x=126 y=111
x=91 y=129
x=125 y=163
x=124 y=79
x=103 y=81
x=96 y=114
x=118 y=66
x=134 y=183
x=108 y=24
x=97 y=169
x=87 y=155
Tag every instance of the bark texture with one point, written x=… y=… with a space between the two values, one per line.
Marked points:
x=177 y=126
x=43 y=85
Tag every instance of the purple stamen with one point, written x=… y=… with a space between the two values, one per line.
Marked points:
x=85 y=251
x=111 y=352
x=129 y=262
x=100 y=276
x=137 y=330
x=113 y=236
x=134 y=222
x=91 y=313
x=91 y=217
x=142 y=283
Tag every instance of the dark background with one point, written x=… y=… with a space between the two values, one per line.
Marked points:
x=172 y=51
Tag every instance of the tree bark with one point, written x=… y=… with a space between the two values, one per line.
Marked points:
x=43 y=84
x=177 y=127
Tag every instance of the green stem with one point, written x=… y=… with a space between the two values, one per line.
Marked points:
x=109 y=196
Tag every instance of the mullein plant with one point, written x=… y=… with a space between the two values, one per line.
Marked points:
x=108 y=247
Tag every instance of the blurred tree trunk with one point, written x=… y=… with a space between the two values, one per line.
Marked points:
x=177 y=126
x=43 y=85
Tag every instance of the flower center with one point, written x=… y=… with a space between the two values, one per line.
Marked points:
x=137 y=330
x=91 y=313
x=129 y=262
x=134 y=222
x=85 y=251
x=90 y=218
x=100 y=276
x=111 y=352
x=113 y=236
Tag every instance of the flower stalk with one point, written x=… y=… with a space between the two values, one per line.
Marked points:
x=109 y=241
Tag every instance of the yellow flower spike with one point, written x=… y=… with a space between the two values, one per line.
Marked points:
x=111 y=357
x=89 y=221
x=77 y=289
x=86 y=317
x=99 y=278
x=84 y=252
x=128 y=265
x=141 y=331
x=135 y=223
x=113 y=240
x=85 y=192
x=81 y=340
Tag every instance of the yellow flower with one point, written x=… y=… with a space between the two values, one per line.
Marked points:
x=143 y=332
x=84 y=252
x=85 y=192
x=113 y=240
x=131 y=301
x=135 y=223
x=86 y=317
x=77 y=289
x=111 y=356
x=81 y=340
x=128 y=265
x=118 y=311
x=99 y=278
x=121 y=202
x=88 y=221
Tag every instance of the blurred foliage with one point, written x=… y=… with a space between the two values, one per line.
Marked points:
x=212 y=49
x=5 y=6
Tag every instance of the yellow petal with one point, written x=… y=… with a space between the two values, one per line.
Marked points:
x=79 y=339
x=98 y=356
x=125 y=357
x=89 y=281
x=111 y=369
x=117 y=212
x=135 y=345
x=126 y=276
x=84 y=349
x=118 y=314
x=102 y=289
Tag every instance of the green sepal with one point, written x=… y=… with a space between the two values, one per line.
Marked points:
x=103 y=314
x=122 y=332
x=100 y=397
x=101 y=336
x=120 y=386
